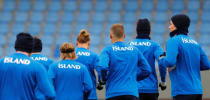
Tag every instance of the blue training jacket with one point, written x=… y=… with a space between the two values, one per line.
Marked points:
x=46 y=62
x=151 y=51
x=189 y=58
x=20 y=75
x=71 y=80
x=119 y=64
x=90 y=60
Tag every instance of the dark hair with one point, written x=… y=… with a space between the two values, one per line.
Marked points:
x=24 y=42
x=37 y=45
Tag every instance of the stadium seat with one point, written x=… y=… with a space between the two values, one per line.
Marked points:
x=36 y=17
x=52 y=17
x=62 y=39
x=158 y=38
x=101 y=6
x=131 y=6
x=1 y=51
x=47 y=40
x=4 y=28
x=159 y=28
x=128 y=38
x=70 y=6
x=65 y=29
x=204 y=39
x=34 y=28
x=107 y=40
x=95 y=40
x=49 y=28
x=146 y=15
x=205 y=28
x=55 y=6
x=147 y=6
x=114 y=17
x=96 y=29
x=204 y=17
x=5 y=17
x=129 y=28
x=98 y=17
x=21 y=17
x=8 y=6
x=12 y=40
x=130 y=17
x=3 y=40
x=206 y=6
x=193 y=5
x=206 y=49
x=116 y=6
x=161 y=17
x=56 y=52
x=193 y=28
x=83 y=17
x=94 y=49
x=17 y=28
x=79 y=27
x=24 y=6
x=193 y=16
x=67 y=17
x=85 y=6
x=179 y=5
x=162 y=5
x=46 y=51
x=40 y=6
x=10 y=50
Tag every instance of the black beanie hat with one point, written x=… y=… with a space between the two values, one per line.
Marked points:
x=24 y=42
x=143 y=27
x=37 y=45
x=181 y=21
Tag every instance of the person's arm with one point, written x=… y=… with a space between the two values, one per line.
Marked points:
x=104 y=63
x=204 y=62
x=158 y=53
x=43 y=82
x=144 y=69
x=51 y=74
x=171 y=54
x=87 y=82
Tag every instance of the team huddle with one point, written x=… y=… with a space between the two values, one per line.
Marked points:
x=126 y=69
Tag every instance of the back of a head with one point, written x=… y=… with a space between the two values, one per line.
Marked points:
x=181 y=21
x=67 y=51
x=83 y=36
x=117 y=30
x=37 y=45
x=143 y=27
x=24 y=42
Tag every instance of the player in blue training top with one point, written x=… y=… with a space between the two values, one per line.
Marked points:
x=148 y=88
x=185 y=59
x=87 y=58
x=119 y=63
x=71 y=79
x=20 y=75
x=45 y=61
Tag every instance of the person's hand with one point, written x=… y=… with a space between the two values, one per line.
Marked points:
x=162 y=56
x=162 y=85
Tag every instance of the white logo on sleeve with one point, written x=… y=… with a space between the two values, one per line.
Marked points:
x=16 y=61
x=140 y=43
x=83 y=53
x=185 y=40
x=39 y=58
x=71 y=66
x=116 y=48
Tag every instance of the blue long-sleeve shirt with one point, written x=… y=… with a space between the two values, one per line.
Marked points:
x=20 y=75
x=119 y=63
x=46 y=62
x=151 y=51
x=90 y=60
x=71 y=80
x=188 y=58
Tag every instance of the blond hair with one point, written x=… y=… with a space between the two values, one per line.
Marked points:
x=83 y=36
x=67 y=51
x=117 y=30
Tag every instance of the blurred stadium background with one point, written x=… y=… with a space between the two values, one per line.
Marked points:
x=58 y=21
